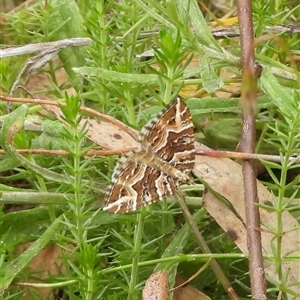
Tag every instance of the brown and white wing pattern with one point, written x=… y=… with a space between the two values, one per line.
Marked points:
x=163 y=162
x=171 y=136
x=135 y=184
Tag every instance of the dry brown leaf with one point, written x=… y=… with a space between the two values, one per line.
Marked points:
x=156 y=287
x=108 y=135
x=104 y=134
x=187 y=292
x=225 y=177
x=40 y=82
x=47 y=262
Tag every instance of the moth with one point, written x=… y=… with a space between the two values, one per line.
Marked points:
x=163 y=161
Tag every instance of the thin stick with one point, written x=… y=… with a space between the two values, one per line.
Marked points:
x=65 y=153
x=243 y=155
x=247 y=144
x=210 y=153
x=82 y=108
x=204 y=248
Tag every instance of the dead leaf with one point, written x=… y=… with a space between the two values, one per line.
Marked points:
x=225 y=177
x=187 y=292
x=40 y=82
x=46 y=263
x=104 y=134
x=156 y=287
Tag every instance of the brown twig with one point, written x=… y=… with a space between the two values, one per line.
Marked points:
x=204 y=247
x=82 y=108
x=210 y=153
x=243 y=155
x=65 y=153
x=247 y=144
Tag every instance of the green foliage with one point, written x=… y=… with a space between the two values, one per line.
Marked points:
x=110 y=256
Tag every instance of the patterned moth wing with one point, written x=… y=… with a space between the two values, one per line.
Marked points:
x=137 y=185
x=171 y=136
x=164 y=161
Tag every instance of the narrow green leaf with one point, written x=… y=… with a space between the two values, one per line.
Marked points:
x=66 y=22
x=13 y=268
x=117 y=76
x=282 y=97
x=211 y=82
x=28 y=197
x=36 y=220
x=203 y=33
x=8 y=164
x=153 y=12
x=12 y=124
x=221 y=105
x=39 y=170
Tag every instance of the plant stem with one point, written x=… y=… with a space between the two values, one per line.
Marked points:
x=204 y=247
x=138 y=233
x=280 y=209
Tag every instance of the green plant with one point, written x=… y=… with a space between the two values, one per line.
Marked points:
x=110 y=256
